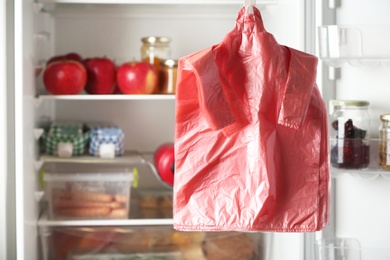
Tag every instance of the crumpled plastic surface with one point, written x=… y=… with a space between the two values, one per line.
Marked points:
x=251 y=138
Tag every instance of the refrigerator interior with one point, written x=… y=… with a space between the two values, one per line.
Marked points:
x=360 y=72
x=114 y=29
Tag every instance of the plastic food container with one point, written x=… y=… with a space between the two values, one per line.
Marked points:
x=88 y=195
x=151 y=242
x=338 y=249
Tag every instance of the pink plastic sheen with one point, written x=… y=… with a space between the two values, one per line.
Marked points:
x=251 y=138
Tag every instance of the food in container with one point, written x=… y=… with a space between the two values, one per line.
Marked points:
x=155 y=49
x=168 y=75
x=384 y=142
x=88 y=195
x=350 y=124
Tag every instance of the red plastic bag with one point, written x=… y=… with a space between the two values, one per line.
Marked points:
x=251 y=138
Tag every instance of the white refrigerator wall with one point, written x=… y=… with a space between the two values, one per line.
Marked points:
x=115 y=31
x=362 y=209
x=3 y=132
x=42 y=31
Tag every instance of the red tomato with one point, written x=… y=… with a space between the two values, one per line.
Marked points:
x=164 y=159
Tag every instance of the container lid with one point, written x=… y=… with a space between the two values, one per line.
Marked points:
x=349 y=103
x=107 y=177
x=385 y=117
x=155 y=39
x=169 y=63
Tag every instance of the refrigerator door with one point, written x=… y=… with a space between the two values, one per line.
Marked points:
x=356 y=67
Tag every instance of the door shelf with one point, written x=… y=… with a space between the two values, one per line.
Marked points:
x=373 y=170
x=358 y=45
x=368 y=173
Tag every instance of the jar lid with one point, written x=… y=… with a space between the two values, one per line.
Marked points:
x=155 y=39
x=349 y=103
x=385 y=117
x=169 y=63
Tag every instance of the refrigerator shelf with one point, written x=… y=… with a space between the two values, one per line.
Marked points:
x=133 y=220
x=86 y=97
x=358 y=45
x=128 y=158
x=208 y=2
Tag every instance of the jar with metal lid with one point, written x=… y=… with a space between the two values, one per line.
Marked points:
x=168 y=75
x=384 y=142
x=350 y=144
x=154 y=49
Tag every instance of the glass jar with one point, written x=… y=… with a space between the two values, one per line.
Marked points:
x=384 y=142
x=154 y=49
x=350 y=124
x=168 y=75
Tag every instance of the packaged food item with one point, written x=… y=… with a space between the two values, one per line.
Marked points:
x=350 y=124
x=106 y=141
x=88 y=195
x=65 y=139
x=168 y=75
x=384 y=142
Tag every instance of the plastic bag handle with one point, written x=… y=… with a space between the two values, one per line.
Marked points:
x=249 y=4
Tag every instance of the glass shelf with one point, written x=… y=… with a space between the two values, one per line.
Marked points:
x=224 y=2
x=129 y=157
x=135 y=219
x=87 y=97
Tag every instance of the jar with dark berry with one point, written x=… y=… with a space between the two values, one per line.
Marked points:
x=350 y=144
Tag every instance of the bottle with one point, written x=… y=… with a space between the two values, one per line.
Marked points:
x=350 y=124
x=384 y=142
x=168 y=75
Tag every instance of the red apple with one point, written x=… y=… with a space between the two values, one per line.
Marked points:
x=137 y=78
x=164 y=160
x=69 y=56
x=65 y=77
x=74 y=56
x=101 y=75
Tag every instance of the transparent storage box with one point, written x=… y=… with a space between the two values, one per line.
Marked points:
x=359 y=45
x=348 y=249
x=88 y=195
x=149 y=242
